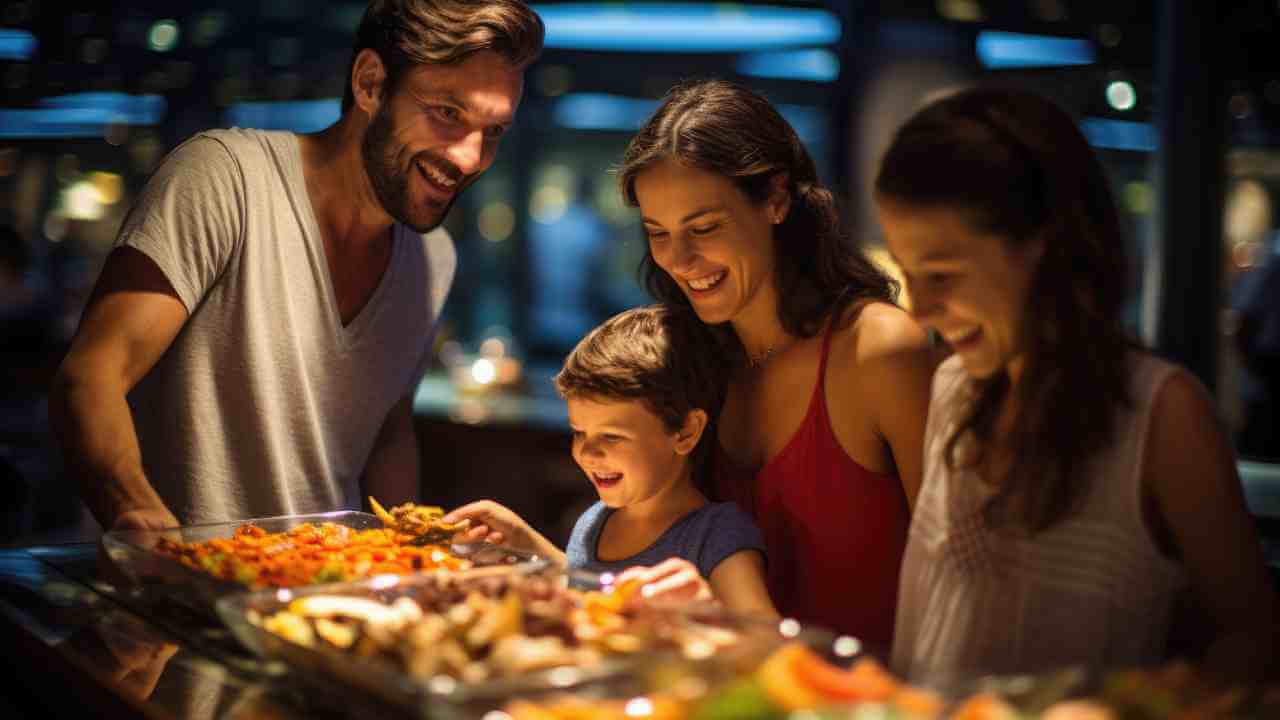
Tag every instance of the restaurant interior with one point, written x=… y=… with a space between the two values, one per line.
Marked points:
x=1180 y=99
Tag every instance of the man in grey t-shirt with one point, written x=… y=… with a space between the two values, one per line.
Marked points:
x=254 y=340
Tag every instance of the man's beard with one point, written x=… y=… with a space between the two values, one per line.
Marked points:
x=391 y=182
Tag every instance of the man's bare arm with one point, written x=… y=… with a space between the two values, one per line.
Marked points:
x=131 y=318
x=391 y=474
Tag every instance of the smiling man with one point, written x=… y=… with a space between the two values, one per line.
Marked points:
x=255 y=338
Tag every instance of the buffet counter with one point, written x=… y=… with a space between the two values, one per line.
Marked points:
x=78 y=648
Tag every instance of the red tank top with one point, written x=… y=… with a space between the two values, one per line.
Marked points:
x=834 y=530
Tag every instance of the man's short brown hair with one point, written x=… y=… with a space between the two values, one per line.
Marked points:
x=405 y=33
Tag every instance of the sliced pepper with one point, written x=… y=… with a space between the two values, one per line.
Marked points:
x=778 y=676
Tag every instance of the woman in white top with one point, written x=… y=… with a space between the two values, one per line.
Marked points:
x=1073 y=483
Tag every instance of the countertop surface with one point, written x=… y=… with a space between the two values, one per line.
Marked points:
x=90 y=650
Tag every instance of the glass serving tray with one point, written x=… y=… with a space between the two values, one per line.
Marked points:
x=442 y=696
x=133 y=553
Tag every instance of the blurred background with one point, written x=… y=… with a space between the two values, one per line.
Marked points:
x=94 y=96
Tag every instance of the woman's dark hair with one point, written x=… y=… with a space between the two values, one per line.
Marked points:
x=662 y=355
x=405 y=33
x=1017 y=166
x=724 y=128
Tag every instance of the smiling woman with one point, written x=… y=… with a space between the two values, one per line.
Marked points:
x=1069 y=474
x=740 y=229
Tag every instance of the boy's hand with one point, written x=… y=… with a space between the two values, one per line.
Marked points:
x=497 y=524
x=675 y=579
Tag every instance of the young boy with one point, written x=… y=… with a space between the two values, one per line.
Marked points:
x=642 y=390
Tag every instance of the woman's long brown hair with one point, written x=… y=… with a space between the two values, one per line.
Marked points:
x=725 y=128
x=1018 y=167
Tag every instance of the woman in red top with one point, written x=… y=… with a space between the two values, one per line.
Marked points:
x=820 y=434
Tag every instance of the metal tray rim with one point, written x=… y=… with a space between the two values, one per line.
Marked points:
x=200 y=591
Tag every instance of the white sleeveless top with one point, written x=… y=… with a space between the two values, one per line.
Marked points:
x=1091 y=590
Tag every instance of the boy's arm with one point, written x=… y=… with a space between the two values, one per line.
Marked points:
x=497 y=524
x=738 y=582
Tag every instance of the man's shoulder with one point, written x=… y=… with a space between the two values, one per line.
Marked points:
x=249 y=149
x=236 y=138
x=236 y=152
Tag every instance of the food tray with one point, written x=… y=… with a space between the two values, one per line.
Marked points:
x=442 y=696
x=158 y=575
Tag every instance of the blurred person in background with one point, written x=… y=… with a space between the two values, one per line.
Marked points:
x=253 y=343
x=1074 y=484
x=819 y=437
x=1253 y=319
x=1249 y=349
x=1255 y=300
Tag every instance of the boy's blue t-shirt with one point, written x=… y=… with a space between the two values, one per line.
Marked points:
x=704 y=537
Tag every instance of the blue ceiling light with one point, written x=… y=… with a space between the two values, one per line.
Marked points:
x=1005 y=50
x=295 y=115
x=16 y=44
x=31 y=124
x=602 y=111
x=813 y=64
x=617 y=113
x=685 y=28
x=1120 y=134
x=81 y=115
x=109 y=107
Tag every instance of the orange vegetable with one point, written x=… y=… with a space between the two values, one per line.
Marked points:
x=917 y=703
x=984 y=706
x=780 y=680
x=307 y=554
x=866 y=681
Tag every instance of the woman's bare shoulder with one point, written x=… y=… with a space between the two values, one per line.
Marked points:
x=877 y=332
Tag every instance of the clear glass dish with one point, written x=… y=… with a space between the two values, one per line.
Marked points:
x=385 y=679
x=133 y=553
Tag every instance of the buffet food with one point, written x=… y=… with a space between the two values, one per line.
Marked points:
x=306 y=554
x=506 y=638
x=418 y=521
x=413 y=539
x=795 y=682
x=488 y=634
x=792 y=679
x=196 y=565
x=479 y=628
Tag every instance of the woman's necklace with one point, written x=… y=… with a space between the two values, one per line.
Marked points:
x=755 y=362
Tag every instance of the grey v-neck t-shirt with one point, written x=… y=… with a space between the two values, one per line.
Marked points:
x=265 y=404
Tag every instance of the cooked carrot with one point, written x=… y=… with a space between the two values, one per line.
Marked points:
x=308 y=554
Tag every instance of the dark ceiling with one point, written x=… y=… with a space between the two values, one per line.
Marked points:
x=230 y=50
